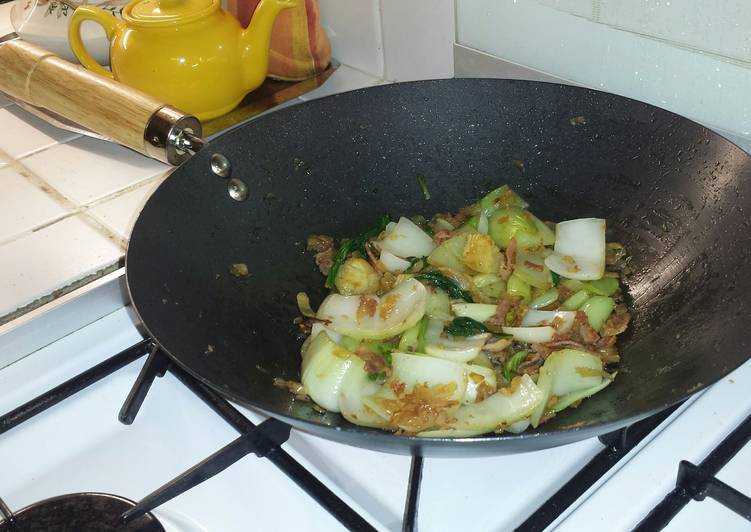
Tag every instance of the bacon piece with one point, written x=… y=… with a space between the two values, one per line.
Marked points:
x=587 y=334
x=504 y=269
x=374 y=362
x=531 y=364
x=533 y=265
x=503 y=307
x=605 y=342
x=616 y=324
x=541 y=349
x=511 y=254
x=367 y=307
x=557 y=344
x=442 y=236
x=564 y=293
x=324 y=260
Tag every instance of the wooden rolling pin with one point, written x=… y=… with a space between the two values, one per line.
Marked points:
x=125 y=115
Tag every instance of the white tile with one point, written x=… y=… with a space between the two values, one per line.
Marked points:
x=23 y=206
x=354 y=29
x=343 y=79
x=21 y=133
x=5 y=24
x=719 y=28
x=418 y=39
x=705 y=87
x=39 y=263
x=88 y=169
x=120 y=213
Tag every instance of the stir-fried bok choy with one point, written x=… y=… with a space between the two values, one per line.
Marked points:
x=485 y=320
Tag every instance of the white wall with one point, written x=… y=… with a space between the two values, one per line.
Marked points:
x=394 y=40
x=692 y=57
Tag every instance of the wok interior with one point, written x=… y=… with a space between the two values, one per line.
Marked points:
x=672 y=192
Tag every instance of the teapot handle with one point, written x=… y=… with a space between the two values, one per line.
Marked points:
x=103 y=18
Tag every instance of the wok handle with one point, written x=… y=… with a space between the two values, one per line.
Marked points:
x=104 y=106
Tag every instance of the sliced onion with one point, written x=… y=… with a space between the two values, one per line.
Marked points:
x=498 y=411
x=324 y=365
x=454 y=348
x=546 y=317
x=579 y=249
x=395 y=312
x=406 y=239
x=531 y=335
x=393 y=263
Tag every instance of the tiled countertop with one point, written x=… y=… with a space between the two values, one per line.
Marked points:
x=68 y=202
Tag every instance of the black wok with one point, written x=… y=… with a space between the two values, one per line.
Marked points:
x=676 y=194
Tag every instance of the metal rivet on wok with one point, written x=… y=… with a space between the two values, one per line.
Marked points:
x=238 y=190
x=220 y=165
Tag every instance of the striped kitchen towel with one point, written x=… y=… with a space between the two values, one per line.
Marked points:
x=299 y=46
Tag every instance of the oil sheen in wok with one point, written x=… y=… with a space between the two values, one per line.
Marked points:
x=485 y=320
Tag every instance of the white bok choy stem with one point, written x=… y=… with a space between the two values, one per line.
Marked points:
x=373 y=317
x=536 y=318
x=477 y=311
x=442 y=380
x=503 y=408
x=567 y=372
x=531 y=335
x=324 y=366
x=579 y=251
x=354 y=387
x=406 y=239
x=454 y=348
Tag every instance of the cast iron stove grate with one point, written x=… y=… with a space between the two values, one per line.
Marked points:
x=265 y=440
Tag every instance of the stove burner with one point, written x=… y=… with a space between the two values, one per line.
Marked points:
x=80 y=512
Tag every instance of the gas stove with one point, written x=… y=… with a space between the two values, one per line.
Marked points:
x=177 y=457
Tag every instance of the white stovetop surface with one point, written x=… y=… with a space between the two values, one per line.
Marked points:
x=79 y=445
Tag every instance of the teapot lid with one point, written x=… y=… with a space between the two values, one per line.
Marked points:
x=167 y=12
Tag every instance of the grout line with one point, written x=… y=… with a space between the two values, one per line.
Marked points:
x=129 y=188
x=382 y=39
x=70 y=206
x=375 y=79
x=83 y=208
x=45 y=148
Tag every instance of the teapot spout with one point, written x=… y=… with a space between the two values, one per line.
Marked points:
x=255 y=40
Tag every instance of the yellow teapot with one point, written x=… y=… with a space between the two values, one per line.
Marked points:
x=190 y=53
